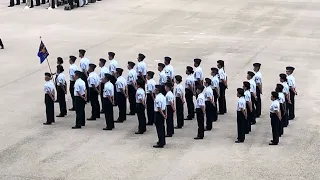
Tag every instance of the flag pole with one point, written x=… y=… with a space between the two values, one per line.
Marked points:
x=48 y=63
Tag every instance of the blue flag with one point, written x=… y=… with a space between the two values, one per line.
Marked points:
x=43 y=52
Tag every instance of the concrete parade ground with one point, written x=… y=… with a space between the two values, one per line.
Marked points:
x=276 y=33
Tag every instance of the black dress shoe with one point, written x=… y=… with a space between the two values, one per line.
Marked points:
x=131 y=114
x=138 y=132
x=11 y=6
x=239 y=141
x=102 y=111
x=177 y=127
x=196 y=138
x=205 y=129
x=18 y=4
x=158 y=146
x=221 y=113
x=271 y=144
x=91 y=119
x=149 y=124
x=188 y=118
x=76 y=127
x=168 y=135
x=47 y=123
x=60 y=115
x=72 y=109
x=107 y=129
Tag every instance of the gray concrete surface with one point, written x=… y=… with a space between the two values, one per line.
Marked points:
x=275 y=33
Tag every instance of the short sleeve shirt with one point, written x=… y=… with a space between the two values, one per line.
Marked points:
x=132 y=77
x=253 y=86
x=84 y=64
x=208 y=93
x=141 y=67
x=140 y=95
x=162 y=78
x=198 y=73
x=275 y=106
x=189 y=81
x=61 y=79
x=113 y=66
x=72 y=69
x=258 y=77
x=104 y=70
x=215 y=82
x=79 y=86
x=169 y=98
x=168 y=69
x=179 y=91
x=93 y=79
x=108 y=90
x=151 y=85
x=200 y=101
x=48 y=87
x=160 y=101
x=241 y=104
x=291 y=81
x=222 y=75
x=247 y=96
x=121 y=83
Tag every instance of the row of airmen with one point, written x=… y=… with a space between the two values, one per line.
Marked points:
x=132 y=87
x=281 y=108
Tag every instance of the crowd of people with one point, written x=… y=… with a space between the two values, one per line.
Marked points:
x=158 y=103
x=53 y=4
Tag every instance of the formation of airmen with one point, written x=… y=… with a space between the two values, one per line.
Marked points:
x=53 y=4
x=157 y=103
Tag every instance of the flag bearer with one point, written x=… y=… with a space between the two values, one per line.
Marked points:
x=49 y=98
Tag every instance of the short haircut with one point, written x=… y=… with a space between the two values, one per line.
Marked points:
x=240 y=91
x=275 y=94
